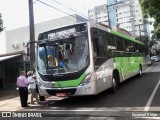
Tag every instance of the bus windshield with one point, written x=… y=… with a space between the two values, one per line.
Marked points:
x=63 y=56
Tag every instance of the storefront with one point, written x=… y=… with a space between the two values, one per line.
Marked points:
x=10 y=66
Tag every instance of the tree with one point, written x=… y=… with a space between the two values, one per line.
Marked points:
x=144 y=39
x=151 y=8
x=1 y=23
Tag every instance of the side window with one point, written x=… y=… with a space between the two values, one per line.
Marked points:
x=137 y=48
x=106 y=39
x=98 y=43
x=111 y=44
x=132 y=49
x=119 y=43
x=129 y=46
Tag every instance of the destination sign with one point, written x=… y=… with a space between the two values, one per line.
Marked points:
x=61 y=33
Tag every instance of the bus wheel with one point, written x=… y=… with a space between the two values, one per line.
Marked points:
x=140 y=71
x=114 y=83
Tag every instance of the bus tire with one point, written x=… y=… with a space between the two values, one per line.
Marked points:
x=140 y=71
x=114 y=82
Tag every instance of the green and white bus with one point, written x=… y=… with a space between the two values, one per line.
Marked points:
x=98 y=59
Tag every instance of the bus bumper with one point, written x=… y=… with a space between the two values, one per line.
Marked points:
x=88 y=89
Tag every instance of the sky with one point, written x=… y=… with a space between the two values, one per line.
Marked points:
x=15 y=13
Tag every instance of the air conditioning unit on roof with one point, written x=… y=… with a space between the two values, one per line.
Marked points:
x=15 y=45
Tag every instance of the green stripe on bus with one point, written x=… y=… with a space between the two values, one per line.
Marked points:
x=128 y=65
x=70 y=83
x=121 y=35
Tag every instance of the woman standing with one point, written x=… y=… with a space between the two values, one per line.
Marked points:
x=32 y=87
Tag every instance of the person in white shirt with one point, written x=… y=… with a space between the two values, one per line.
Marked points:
x=32 y=87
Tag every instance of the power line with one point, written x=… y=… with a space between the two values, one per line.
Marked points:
x=68 y=13
x=70 y=8
x=59 y=10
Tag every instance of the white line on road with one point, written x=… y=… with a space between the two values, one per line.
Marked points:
x=151 y=97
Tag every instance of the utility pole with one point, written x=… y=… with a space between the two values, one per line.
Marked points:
x=132 y=18
x=139 y=27
x=32 y=35
x=109 y=24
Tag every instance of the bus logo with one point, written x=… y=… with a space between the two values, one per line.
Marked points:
x=59 y=84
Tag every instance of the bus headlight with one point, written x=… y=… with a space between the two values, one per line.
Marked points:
x=87 y=79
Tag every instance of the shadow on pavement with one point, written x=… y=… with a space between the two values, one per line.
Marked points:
x=8 y=94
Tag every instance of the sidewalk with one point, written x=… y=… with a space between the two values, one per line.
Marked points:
x=10 y=101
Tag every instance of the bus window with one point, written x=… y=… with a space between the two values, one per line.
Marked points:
x=137 y=48
x=111 y=44
x=119 y=43
x=98 y=44
x=129 y=46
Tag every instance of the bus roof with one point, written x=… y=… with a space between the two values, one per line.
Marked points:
x=63 y=27
x=109 y=30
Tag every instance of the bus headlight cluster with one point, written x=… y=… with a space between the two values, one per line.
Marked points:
x=87 y=79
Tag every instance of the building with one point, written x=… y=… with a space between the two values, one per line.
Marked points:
x=99 y=14
x=13 y=48
x=125 y=14
x=130 y=18
x=112 y=12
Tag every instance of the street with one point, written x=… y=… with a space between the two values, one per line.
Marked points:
x=135 y=97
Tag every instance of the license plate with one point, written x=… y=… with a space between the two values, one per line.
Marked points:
x=61 y=94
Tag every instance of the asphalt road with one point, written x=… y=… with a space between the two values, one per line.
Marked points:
x=137 y=98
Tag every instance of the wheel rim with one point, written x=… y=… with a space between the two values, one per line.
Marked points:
x=114 y=83
x=140 y=71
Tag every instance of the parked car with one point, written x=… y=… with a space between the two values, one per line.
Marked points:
x=154 y=58
x=149 y=60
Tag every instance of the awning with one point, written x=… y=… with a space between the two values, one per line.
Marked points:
x=8 y=57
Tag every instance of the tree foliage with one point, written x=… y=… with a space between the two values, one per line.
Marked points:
x=151 y=8
x=1 y=23
x=144 y=39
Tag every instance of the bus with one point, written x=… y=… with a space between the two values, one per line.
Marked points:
x=88 y=58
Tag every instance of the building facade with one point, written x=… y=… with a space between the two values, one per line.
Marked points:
x=112 y=12
x=99 y=14
x=125 y=14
